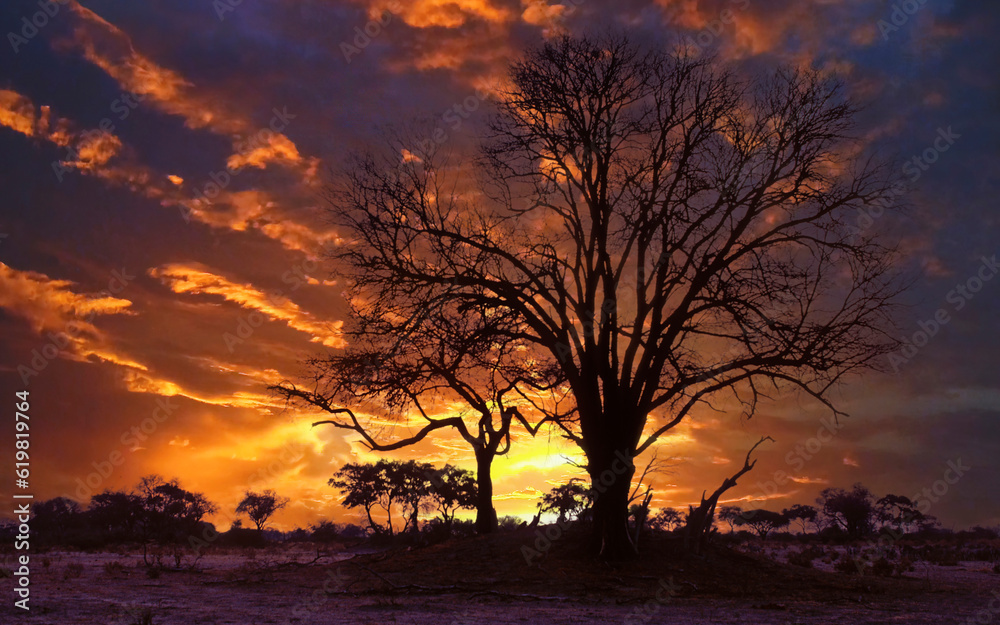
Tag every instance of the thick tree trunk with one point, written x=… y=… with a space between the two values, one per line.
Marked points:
x=486 y=514
x=611 y=477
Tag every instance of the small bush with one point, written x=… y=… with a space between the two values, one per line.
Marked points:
x=115 y=569
x=5 y=572
x=73 y=570
x=153 y=572
x=846 y=565
x=142 y=616
x=805 y=557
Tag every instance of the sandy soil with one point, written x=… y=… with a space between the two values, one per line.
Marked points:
x=286 y=586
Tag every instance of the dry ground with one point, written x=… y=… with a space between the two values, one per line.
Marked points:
x=486 y=580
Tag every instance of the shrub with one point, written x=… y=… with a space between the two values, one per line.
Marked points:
x=142 y=616
x=846 y=565
x=805 y=556
x=115 y=569
x=73 y=570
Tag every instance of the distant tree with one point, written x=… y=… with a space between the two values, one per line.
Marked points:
x=115 y=515
x=801 y=513
x=168 y=512
x=762 y=521
x=451 y=490
x=729 y=514
x=899 y=513
x=385 y=484
x=410 y=481
x=569 y=500
x=261 y=506
x=367 y=486
x=54 y=519
x=852 y=511
x=667 y=519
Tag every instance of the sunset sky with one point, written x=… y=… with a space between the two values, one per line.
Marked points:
x=152 y=296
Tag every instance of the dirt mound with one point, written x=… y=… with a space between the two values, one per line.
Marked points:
x=532 y=564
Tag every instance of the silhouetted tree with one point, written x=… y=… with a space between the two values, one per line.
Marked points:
x=411 y=480
x=367 y=486
x=667 y=519
x=415 y=352
x=852 y=511
x=649 y=225
x=701 y=520
x=729 y=514
x=55 y=519
x=168 y=512
x=762 y=521
x=115 y=515
x=801 y=513
x=899 y=513
x=569 y=500
x=261 y=506
x=451 y=490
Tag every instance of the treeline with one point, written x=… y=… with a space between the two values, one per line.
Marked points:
x=839 y=515
x=155 y=511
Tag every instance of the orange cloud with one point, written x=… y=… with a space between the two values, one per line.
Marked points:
x=94 y=151
x=17 y=112
x=111 y=49
x=48 y=304
x=195 y=280
x=66 y=316
x=443 y=13
x=256 y=210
